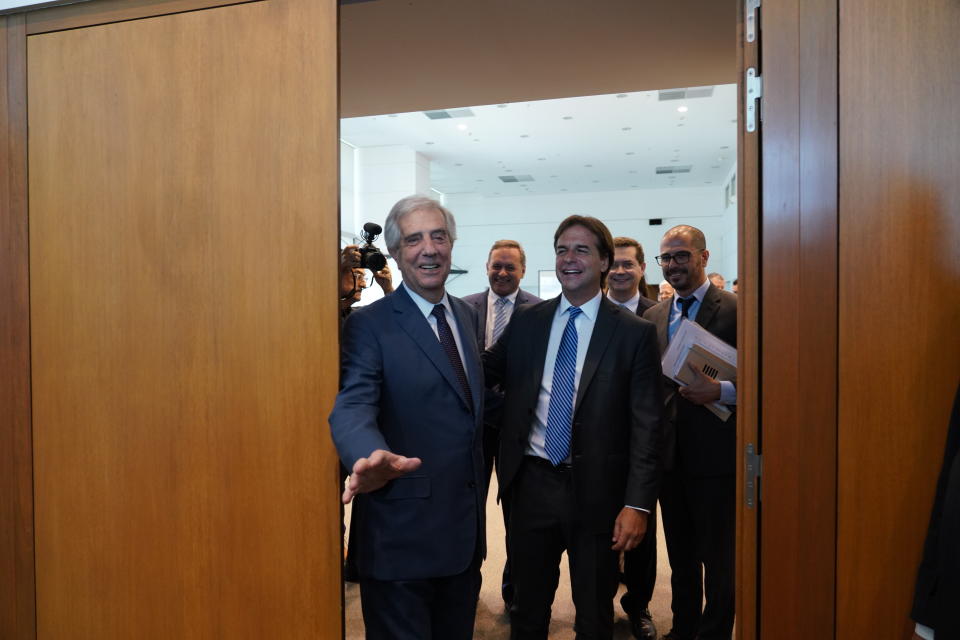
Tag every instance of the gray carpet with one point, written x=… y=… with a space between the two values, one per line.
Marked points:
x=492 y=623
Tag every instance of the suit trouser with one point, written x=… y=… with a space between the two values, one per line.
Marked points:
x=543 y=523
x=429 y=609
x=491 y=444
x=699 y=522
x=640 y=571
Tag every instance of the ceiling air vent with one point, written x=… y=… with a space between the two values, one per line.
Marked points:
x=521 y=178
x=683 y=168
x=443 y=114
x=686 y=94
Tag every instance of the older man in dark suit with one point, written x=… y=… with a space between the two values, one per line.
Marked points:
x=408 y=424
x=580 y=436
x=506 y=266
x=697 y=495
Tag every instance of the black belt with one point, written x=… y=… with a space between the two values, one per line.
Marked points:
x=563 y=467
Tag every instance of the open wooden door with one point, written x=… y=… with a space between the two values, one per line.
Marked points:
x=179 y=249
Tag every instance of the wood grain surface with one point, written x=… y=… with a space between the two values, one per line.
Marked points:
x=899 y=345
x=183 y=243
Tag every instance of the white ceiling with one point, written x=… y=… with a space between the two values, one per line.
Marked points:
x=594 y=143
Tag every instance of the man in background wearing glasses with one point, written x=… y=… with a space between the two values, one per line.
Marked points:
x=697 y=495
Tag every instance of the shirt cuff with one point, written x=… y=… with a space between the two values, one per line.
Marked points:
x=728 y=393
x=630 y=506
x=924 y=632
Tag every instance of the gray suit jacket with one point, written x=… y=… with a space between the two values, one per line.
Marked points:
x=694 y=439
x=479 y=301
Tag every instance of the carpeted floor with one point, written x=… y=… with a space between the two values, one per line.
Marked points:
x=492 y=623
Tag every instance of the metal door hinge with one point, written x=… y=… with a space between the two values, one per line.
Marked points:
x=753 y=463
x=753 y=18
x=754 y=92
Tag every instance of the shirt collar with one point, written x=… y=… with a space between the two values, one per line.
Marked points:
x=699 y=293
x=492 y=297
x=589 y=308
x=425 y=306
x=630 y=304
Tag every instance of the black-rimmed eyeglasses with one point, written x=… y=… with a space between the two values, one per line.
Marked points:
x=680 y=257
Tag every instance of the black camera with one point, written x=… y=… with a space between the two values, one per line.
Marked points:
x=370 y=256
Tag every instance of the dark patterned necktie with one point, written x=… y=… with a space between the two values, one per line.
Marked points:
x=685 y=304
x=450 y=347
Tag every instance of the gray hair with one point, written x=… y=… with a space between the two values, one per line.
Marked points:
x=405 y=206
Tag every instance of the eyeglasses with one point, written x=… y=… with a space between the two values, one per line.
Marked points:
x=680 y=257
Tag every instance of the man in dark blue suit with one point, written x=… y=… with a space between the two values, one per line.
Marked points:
x=506 y=266
x=408 y=424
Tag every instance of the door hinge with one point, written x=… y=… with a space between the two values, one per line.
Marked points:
x=753 y=463
x=753 y=19
x=754 y=92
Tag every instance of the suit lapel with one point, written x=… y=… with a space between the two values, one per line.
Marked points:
x=471 y=352
x=481 y=305
x=709 y=306
x=661 y=318
x=540 y=339
x=418 y=328
x=603 y=330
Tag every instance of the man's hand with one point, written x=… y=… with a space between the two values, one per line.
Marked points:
x=629 y=529
x=385 y=279
x=703 y=390
x=369 y=474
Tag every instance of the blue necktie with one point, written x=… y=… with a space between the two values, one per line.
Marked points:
x=449 y=345
x=560 y=409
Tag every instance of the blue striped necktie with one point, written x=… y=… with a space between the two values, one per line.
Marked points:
x=560 y=409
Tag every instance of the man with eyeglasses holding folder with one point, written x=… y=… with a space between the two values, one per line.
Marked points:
x=697 y=495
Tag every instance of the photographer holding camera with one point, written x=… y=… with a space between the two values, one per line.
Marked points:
x=353 y=260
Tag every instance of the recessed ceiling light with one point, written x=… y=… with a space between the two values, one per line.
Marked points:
x=509 y=170
x=632 y=171
x=633 y=186
x=458 y=164
x=392 y=115
x=541 y=158
x=626 y=128
x=622 y=95
x=595 y=181
x=501 y=106
x=476 y=139
x=496 y=193
x=588 y=165
x=553 y=176
x=724 y=147
x=524 y=135
x=479 y=180
x=562 y=189
x=679 y=125
x=708 y=182
x=428 y=142
x=568 y=117
x=630 y=153
x=715 y=166
x=734 y=121
x=682 y=109
x=462 y=127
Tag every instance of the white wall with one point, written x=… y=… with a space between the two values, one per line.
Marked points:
x=532 y=220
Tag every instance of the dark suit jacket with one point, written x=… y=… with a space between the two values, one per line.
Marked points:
x=616 y=424
x=399 y=392
x=694 y=439
x=937 y=594
x=479 y=301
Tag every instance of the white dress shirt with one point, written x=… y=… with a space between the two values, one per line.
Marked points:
x=584 y=324
x=630 y=304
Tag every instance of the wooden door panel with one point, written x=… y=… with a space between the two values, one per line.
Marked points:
x=183 y=237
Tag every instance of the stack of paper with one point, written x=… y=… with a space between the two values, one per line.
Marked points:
x=692 y=345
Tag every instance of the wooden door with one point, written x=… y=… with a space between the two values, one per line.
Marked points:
x=899 y=353
x=183 y=331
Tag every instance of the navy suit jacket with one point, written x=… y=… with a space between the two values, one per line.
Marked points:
x=399 y=392
x=479 y=301
x=694 y=439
